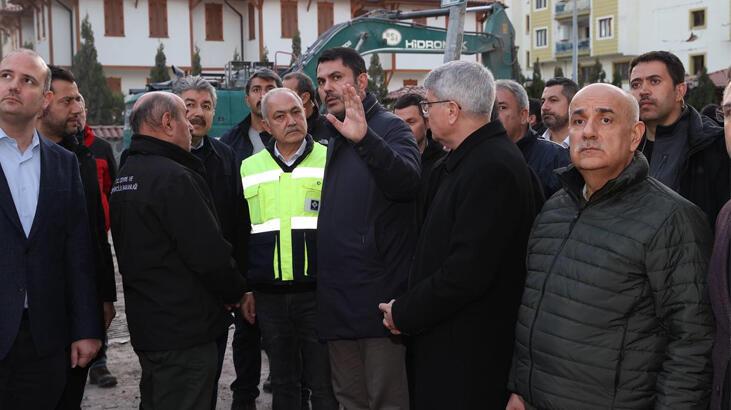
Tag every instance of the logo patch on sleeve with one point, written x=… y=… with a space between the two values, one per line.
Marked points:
x=312 y=205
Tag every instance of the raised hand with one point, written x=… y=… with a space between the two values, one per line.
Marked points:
x=354 y=126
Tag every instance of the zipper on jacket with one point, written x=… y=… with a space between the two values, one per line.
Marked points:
x=663 y=161
x=540 y=301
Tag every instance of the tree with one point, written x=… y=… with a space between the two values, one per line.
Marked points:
x=558 y=71
x=616 y=78
x=377 y=78
x=598 y=75
x=104 y=106
x=703 y=93
x=296 y=46
x=196 y=67
x=160 y=72
x=535 y=89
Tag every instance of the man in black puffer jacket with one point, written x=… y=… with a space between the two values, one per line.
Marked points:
x=615 y=310
x=686 y=150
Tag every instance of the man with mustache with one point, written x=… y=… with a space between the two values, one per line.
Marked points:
x=246 y=139
x=59 y=123
x=49 y=308
x=365 y=234
x=614 y=311
x=555 y=102
x=222 y=176
x=686 y=150
x=283 y=185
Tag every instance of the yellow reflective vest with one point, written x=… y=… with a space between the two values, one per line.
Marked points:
x=283 y=207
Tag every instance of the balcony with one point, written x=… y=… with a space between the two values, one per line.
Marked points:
x=564 y=48
x=565 y=9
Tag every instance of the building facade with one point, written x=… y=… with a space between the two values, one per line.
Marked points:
x=127 y=33
x=614 y=31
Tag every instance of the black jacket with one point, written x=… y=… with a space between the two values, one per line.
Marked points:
x=695 y=147
x=175 y=264
x=316 y=123
x=430 y=159
x=365 y=232
x=466 y=280
x=103 y=263
x=615 y=311
x=544 y=157
x=238 y=139
x=224 y=181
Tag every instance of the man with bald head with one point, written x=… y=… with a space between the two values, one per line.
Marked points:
x=48 y=299
x=283 y=185
x=178 y=274
x=614 y=311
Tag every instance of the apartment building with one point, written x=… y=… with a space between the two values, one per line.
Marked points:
x=615 y=31
x=127 y=33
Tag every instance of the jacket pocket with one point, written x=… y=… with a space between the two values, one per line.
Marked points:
x=261 y=257
x=618 y=368
x=252 y=198
x=313 y=196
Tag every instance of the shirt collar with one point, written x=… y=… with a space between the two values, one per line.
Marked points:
x=300 y=151
x=34 y=142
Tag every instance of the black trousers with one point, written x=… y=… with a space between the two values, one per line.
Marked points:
x=178 y=379
x=30 y=381
x=246 y=349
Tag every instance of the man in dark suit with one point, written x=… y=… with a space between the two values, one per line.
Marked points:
x=48 y=296
x=468 y=271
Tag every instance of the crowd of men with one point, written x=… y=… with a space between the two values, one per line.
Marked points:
x=450 y=254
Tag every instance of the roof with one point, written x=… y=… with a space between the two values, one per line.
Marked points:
x=396 y=94
x=720 y=78
x=108 y=132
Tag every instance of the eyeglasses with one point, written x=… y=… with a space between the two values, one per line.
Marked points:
x=424 y=105
x=723 y=113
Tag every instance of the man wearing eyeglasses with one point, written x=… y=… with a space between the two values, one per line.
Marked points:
x=686 y=150
x=467 y=276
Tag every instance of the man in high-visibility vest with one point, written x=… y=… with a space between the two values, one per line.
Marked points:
x=282 y=185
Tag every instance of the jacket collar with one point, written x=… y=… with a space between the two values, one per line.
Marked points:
x=490 y=130
x=699 y=131
x=573 y=182
x=529 y=137
x=146 y=145
x=288 y=168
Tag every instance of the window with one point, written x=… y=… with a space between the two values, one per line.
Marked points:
x=114 y=84
x=113 y=18
x=324 y=17
x=410 y=82
x=698 y=19
x=605 y=27
x=252 y=22
x=527 y=24
x=289 y=18
x=541 y=37
x=214 y=22
x=158 y=18
x=585 y=74
x=623 y=70
x=541 y=4
x=697 y=63
x=420 y=21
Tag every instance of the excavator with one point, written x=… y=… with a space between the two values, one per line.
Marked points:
x=379 y=31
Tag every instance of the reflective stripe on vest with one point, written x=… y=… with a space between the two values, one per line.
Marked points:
x=281 y=202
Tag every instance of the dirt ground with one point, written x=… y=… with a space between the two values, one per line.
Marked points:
x=122 y=363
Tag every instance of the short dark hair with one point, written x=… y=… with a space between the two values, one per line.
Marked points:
x=672 y=63
x=304 y=83
x=266 y=74
x=569 y=87
x=60 y=73
x=409 y=100
x=534 y=107
x=350 y=58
